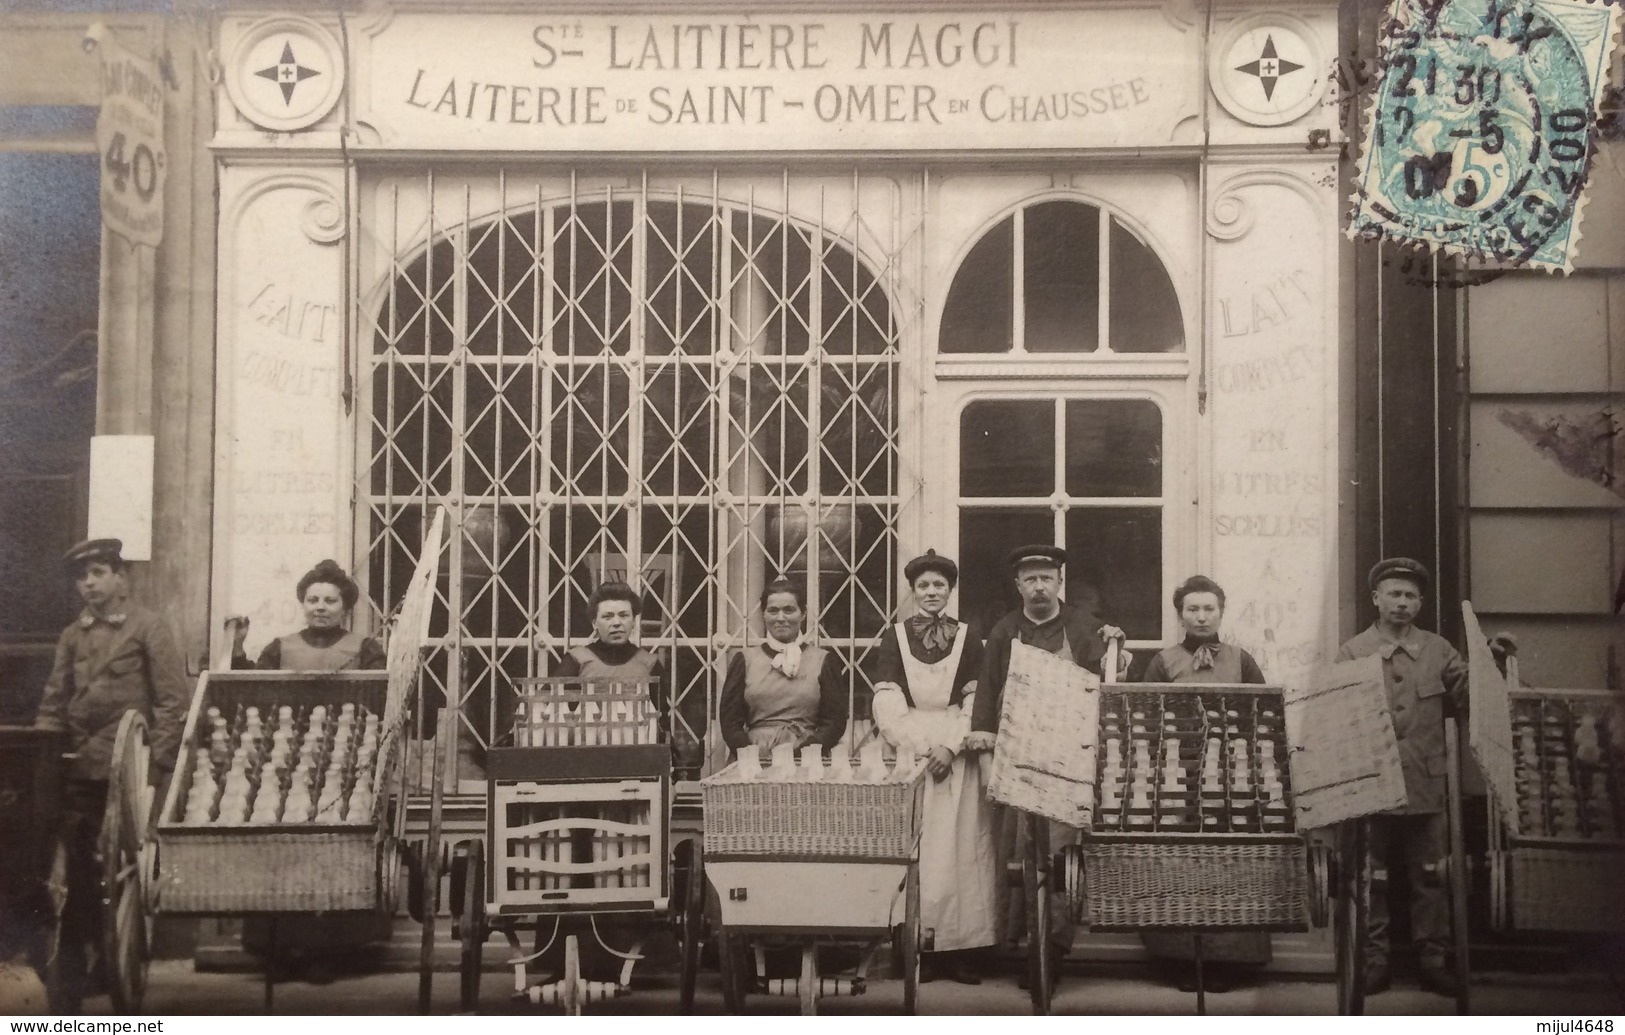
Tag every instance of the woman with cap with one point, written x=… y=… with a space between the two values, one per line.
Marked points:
x=925 y=687
x=784 y=690
x=1200 y=657
x=326 y=643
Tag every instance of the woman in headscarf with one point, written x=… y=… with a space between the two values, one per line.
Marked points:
x=326 y=643
x=925 y=685
x=1200 y=657
x=784 y=691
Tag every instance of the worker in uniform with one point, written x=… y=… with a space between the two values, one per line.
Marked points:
x=116 y=657
x=1201 y=657
x=1426 y=680
x=1047 y=622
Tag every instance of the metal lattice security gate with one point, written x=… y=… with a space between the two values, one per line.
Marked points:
x=688 y=383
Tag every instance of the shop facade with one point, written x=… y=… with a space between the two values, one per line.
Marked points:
x=704 y=300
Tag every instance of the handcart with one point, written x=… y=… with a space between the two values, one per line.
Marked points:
x=1557 y=802
x=274 y=810
x=828 y=863
x=33 y=852
x=578 y=843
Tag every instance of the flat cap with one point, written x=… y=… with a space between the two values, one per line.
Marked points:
x=930 y=560
x=1041 y=553
x=109 y=550
x=1400 y=568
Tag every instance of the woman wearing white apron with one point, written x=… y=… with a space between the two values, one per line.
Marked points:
x=925 y=682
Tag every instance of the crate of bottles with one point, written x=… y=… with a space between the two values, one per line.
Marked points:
x=279 y=793
x=1568 y=851
x=1193 y=825
x=808 y=805
x=561 y=711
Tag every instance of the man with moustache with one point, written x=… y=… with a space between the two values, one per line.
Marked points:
x=1047 y=622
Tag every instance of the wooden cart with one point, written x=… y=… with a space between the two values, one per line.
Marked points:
x=577 y=838
x=810 y=865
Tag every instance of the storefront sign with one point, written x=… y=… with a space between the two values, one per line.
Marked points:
x=130 y=140
x=1126 y=77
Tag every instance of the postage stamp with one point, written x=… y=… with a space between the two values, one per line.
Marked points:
x=1481 y=127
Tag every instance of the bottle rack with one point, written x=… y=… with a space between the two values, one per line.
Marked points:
x=1569 y=772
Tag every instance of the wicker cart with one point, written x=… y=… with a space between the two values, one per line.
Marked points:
x=1557 y=802
x=808 y=865
x=578 y=843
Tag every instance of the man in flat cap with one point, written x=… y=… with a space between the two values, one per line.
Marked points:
x=1047 y=622
x=115 y=657
x=1425 y=678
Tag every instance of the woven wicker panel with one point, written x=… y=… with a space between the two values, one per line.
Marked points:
x=244 y=871
x=857 y=820
x=1135 y=885
x=1559 y=889
x=1045 y=758
x=1489 y=720
x=1346 y=756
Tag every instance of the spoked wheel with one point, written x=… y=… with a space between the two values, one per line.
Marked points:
x=733 y=956
x=1037 y=881
x=808 y=986
x=471 y=924
x=1349 y=918
x=691 y=926
x=911 y=941
x=126 y=932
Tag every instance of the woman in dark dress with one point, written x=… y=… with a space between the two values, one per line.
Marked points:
x=326 y=643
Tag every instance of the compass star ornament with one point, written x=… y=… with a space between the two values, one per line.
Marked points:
x=284 y=73
x=1268 y=67
x=287 y=73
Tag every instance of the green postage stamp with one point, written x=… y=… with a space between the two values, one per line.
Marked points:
x=1481 y=127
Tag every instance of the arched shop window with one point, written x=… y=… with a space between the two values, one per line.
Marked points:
x=700 y=396
x=1034 y=283
x=1065 y=461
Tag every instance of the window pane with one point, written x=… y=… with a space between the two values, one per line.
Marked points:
x=978 y=316
x=1115 y=567
x=1113 y=447
x=1145 y=311
x=1007 y=448
x=1062 y=276
x=987 y=591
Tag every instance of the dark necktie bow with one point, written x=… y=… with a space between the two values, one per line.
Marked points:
x=936 y=632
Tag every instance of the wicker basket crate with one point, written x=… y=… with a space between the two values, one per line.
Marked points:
x=1256 y=884
x=275 y=868
x=1570 y=889
x=812 y=819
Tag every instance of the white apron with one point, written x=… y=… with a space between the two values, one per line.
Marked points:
x=958 y=890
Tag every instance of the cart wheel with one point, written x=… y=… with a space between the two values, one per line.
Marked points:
x=1036 y=883
x=1320 y=890
x=472 y=925
x=1350 y=918
x=56 y=887
x=430 y=880
x=808 y=986
x=572 y=977
x=911 y=941
x=733 y=955
x=126 y=937
x=1498 y=891
x=691 y=928
x=1456 y=875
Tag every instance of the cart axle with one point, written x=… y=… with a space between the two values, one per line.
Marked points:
x=824 y=986
x=552 y=993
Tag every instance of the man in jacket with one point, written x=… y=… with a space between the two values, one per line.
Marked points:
x=1426 y=680
x=114 y=658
